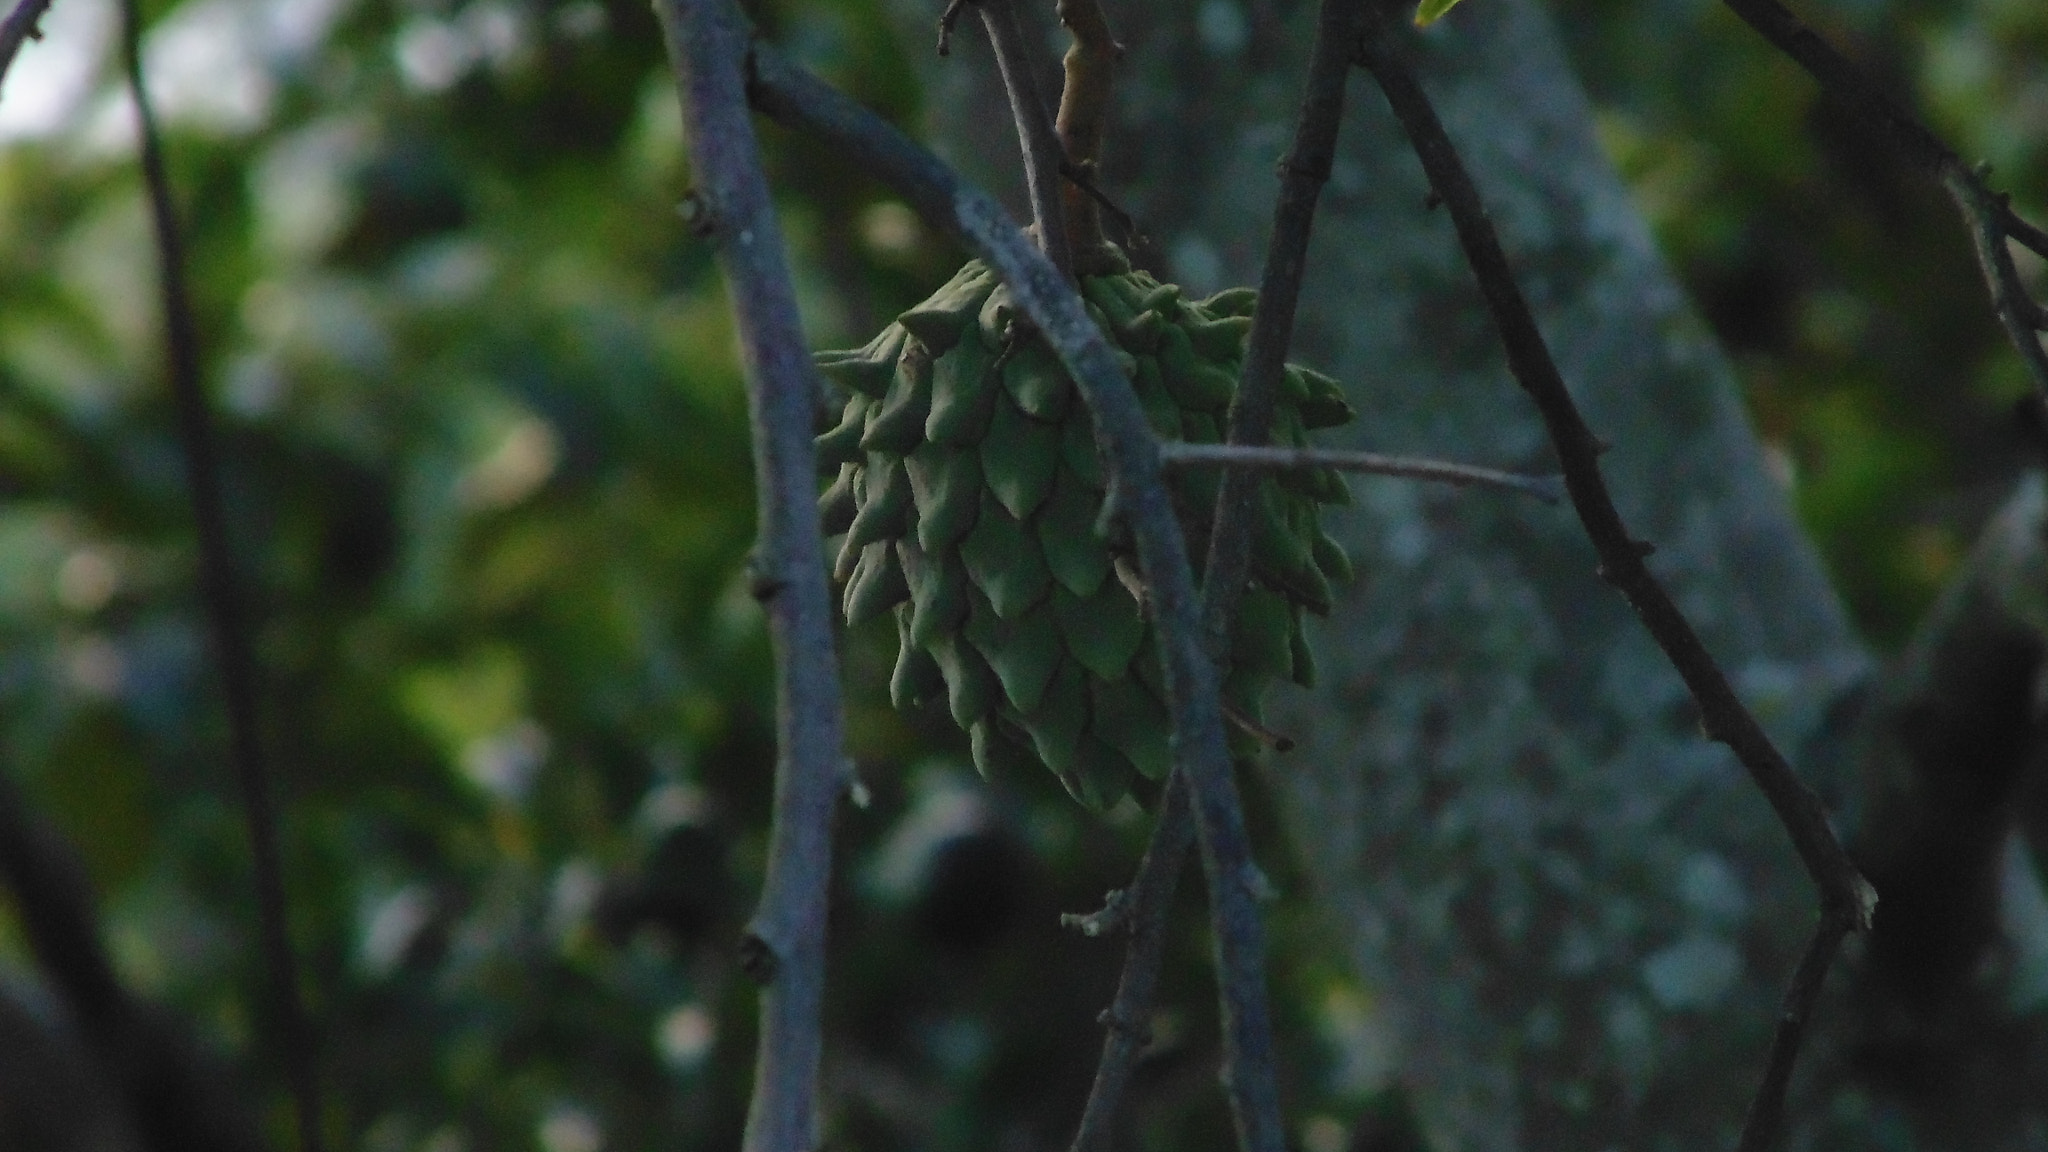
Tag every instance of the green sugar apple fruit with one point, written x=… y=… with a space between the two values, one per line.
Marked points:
x=971 y=497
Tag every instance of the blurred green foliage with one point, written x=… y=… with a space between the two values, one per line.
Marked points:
x=1841 y=282
x=490 y=484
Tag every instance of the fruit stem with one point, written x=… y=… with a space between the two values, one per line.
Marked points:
x=1084 y=112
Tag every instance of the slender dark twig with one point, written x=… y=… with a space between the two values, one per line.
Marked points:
x=229 y=628
x=947 y=19
x=22 y=25
x=2020 y=316
x=1302 y=176
x=1144 y=907
x=173 y=1094
x=1035 y=134
x=707 y=43
x=1764 y=1124
x=1988 y=214
x=1177 y=454
x=1847 y=900
x=1125 y=439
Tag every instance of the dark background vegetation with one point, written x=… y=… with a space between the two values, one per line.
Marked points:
x=488 y=474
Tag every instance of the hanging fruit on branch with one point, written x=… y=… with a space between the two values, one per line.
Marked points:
x=972 y=498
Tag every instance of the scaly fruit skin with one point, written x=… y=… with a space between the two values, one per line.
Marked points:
x=967 y=483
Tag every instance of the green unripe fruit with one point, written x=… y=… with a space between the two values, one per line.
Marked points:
x=968 y=484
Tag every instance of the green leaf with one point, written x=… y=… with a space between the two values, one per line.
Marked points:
x=1430 y=11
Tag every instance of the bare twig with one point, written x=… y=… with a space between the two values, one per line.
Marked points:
x=1035 y=135
x=1111 y=917
x=1229 y=561
x=1090 y=68
x=229 y=628
x=947 y=19
x=2020 y=316
x=1302 y=176
x=707 y=43
x=1988 y=214
x=174 y=1096
x=1847 y=900
x=1125 y=439
x=1763 y=1126
x=21 y=25
x=1270 y=459
x=1143 y=909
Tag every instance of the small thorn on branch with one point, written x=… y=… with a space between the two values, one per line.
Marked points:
x=1277 y=741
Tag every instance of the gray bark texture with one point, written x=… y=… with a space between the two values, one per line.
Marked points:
x=1573 y=916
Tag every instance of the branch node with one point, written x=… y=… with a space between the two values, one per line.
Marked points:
x=697 y=215
x=764 y=582
x=1115 y=910
x=857 y=793
x=758 y=959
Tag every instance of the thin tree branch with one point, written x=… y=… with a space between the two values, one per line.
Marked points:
x=2018 y=313
x=229 y=628
x=1847 y=900
x=707 y=44
x=1763 y=1126
x=1144 y=907
x=1988 y=214
x=59 y=915
x=947 y=19
x=1302 y=176
x=1124 y=437
x=1178 y=454
x=1035 y=133
x=22 y=25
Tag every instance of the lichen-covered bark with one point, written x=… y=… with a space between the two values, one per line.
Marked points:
x=1575 y=915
